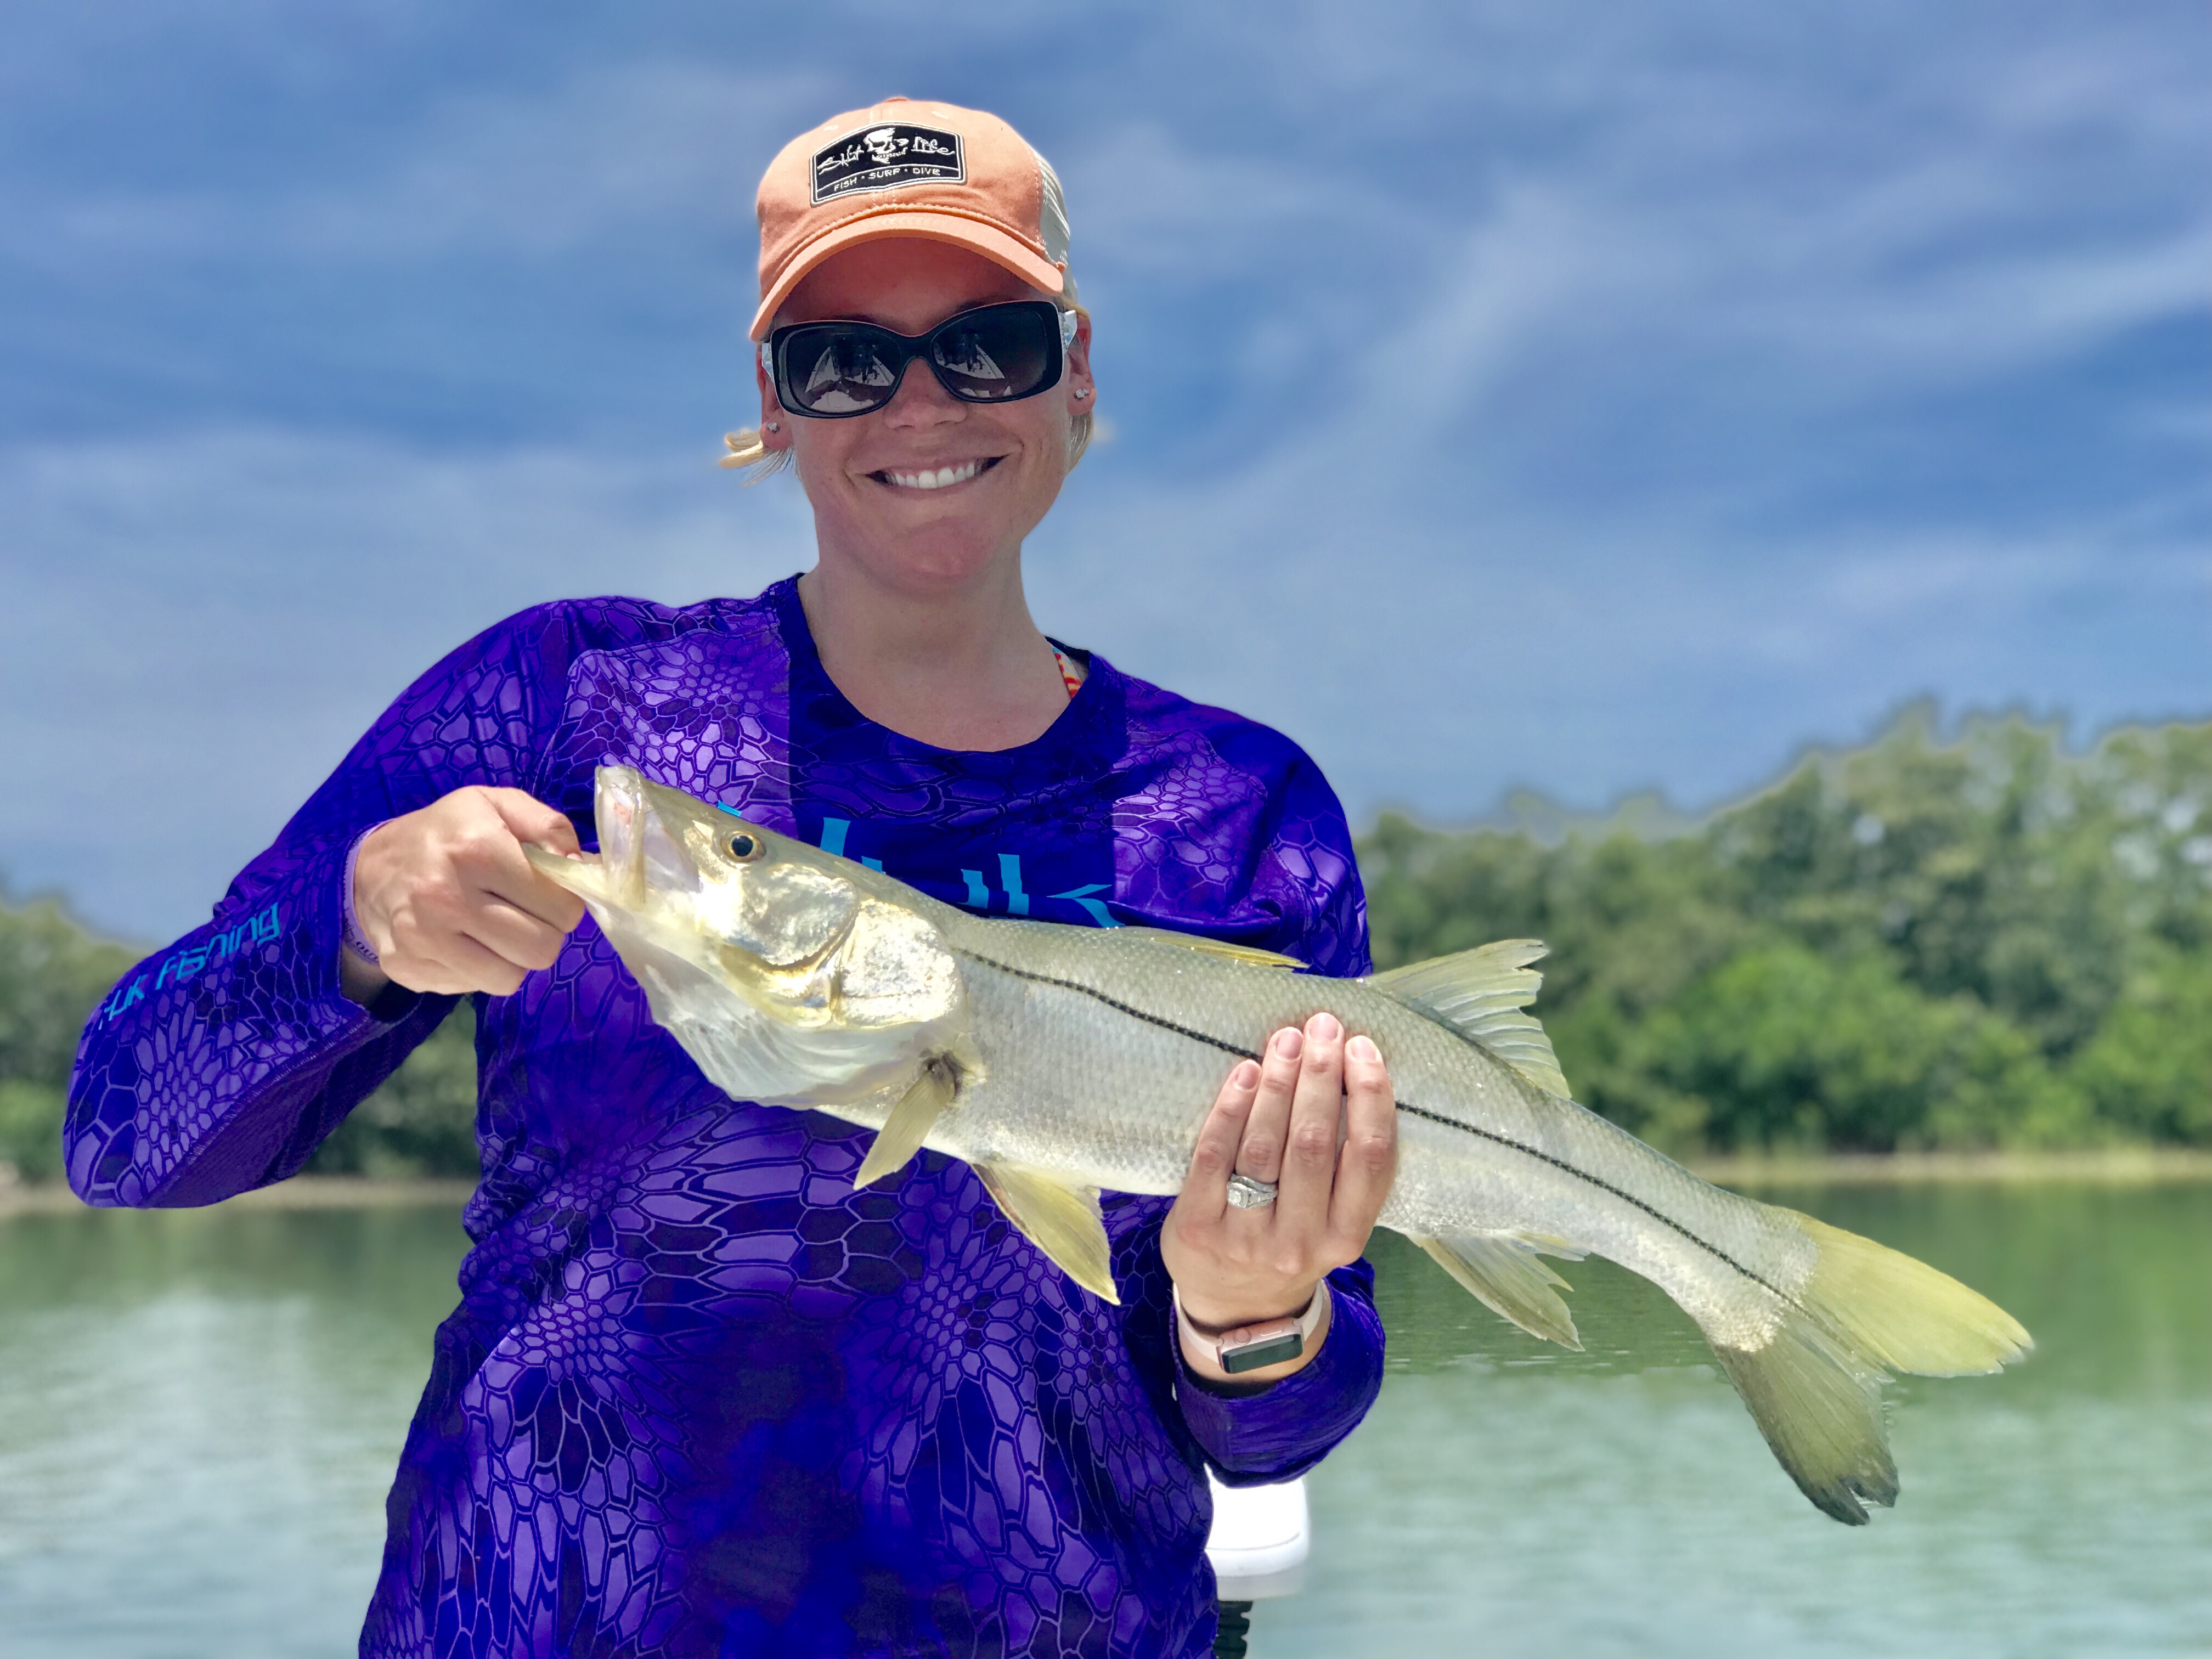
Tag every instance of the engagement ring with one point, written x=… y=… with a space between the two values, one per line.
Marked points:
x=1246 y=1193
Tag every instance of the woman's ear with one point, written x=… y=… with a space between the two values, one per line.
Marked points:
x=1082 y=392
x=773 y=431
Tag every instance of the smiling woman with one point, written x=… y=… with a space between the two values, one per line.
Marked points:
x=924 y=504
x=703 y=1394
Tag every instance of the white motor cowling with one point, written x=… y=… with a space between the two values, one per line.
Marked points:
x=1260 y=1541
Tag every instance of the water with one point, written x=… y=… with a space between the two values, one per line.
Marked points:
x=199 y=1412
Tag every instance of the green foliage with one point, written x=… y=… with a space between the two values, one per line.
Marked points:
x=1978 y=941
x=1784 y=1046
x=2148 y=1069
x=53 y=972
x=422 y=1120
x=31 y=1128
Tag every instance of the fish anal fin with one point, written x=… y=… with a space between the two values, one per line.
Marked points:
x=910 y=1120
x=1481 y=994
x=1502 y=1271
x=1060 y=1219
x=1250 y=955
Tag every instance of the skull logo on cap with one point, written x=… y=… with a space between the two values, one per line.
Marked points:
x=884 y=146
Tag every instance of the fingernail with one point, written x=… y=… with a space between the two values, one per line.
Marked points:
x=1246 y=1076
x=1289 y=1040
x=1362 y=1048
x=1323 y=1027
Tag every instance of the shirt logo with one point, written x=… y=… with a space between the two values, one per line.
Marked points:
x=885 y=157
x=181 y=965
x=919 y=856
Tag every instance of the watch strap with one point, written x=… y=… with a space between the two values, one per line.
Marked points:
x=1267 y=1342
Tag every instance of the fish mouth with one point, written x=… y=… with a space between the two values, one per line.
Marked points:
x=639 y=848
x=621 y=814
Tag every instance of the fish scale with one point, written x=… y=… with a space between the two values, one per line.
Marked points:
x=1112 y=1083
x=1059 y=1061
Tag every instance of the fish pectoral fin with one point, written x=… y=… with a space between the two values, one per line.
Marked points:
x=1060 y=1218
x=1483 y=995
x=1503 y=1272
x=1250 y=955
x=910 y=1120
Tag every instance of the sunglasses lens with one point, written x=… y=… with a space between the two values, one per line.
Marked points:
x=837 y=370
x=992 y=354
x=1000 y=353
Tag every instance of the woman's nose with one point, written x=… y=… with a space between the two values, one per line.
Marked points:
x=920 y=402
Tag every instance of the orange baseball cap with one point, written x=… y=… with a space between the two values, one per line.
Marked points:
x=899 y=168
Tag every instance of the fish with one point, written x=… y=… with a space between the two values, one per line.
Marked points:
x=1059 y=1061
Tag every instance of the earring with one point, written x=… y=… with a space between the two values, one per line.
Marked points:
x=1082 y=392
x=776 y=426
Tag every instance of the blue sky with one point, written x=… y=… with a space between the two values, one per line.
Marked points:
x=1585 y=398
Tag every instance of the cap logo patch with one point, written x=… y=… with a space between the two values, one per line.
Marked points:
x=885 y=157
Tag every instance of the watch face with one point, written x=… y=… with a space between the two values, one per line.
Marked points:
x=1267 y=1351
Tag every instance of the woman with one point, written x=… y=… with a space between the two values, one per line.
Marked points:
x=699 y=1397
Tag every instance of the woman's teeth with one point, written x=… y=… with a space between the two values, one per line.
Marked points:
x=939 y=479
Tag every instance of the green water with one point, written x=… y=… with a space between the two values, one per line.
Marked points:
x=199 y=1414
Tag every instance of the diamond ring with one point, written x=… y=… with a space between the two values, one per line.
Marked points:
x=1246 y=1193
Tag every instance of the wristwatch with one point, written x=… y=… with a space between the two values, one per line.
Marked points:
x=1268 y=1342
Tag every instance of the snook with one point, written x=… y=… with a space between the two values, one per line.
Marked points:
x=1059 y=1061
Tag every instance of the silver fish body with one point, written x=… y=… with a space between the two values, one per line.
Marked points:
x=1111 y=1081
x=1061 y=1061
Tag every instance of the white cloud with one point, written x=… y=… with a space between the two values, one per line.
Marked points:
x=612 y=148
x=1566 y=323
x=519 y=174
x=196 y=630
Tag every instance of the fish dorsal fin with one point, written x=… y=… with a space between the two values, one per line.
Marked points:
x=1481 y=994
x=1501 y=1270
x=1060 y=1219
x=910 y=1120
x=1250 y=955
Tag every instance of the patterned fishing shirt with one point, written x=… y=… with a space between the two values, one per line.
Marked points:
x=699 y=1397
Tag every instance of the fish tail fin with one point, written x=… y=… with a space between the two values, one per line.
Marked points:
x=1814 y=1384
x=1819 y=1406
x=1903 y=1314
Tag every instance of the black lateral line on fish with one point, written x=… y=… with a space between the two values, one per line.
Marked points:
x=1541 y=1157
x=1659 y=1216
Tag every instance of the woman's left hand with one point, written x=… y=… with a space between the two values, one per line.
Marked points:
x=1318 y=1117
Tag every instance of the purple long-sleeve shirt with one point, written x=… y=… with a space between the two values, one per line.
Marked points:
x=700 y=1397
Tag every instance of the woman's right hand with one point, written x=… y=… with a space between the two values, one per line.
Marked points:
x=449 y=903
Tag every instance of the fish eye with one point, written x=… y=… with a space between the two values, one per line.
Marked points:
x=743 y=847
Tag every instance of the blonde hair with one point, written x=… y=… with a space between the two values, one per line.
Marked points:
x=744 y=445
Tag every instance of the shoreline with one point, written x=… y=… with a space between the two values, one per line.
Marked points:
x=301 y=1193
x=2103 y=1166
x=2124 y=1166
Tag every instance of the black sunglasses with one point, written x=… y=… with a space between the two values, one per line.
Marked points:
x=992 y=354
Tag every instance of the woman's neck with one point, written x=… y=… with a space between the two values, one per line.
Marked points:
x=963 y=669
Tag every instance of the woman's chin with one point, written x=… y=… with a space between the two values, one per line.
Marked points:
x=937 y=544
x=941 y=555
